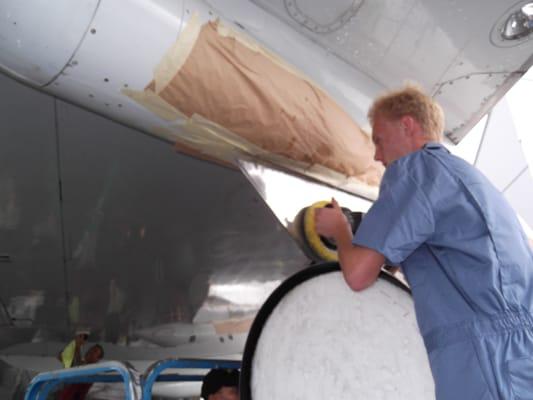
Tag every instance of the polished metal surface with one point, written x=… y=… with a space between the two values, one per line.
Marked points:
x=39 y=37
x=111 y=231
x=32 y=285
x=454 y=49
x=158 y=230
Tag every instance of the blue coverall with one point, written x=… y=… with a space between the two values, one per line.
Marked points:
x=470 y=268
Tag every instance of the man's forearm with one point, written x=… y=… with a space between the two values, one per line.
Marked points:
x=360 y=265
x=344 y=240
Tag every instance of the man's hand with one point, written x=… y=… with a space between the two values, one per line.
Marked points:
x=331 y=222
x=80 y=339
x=360 y=265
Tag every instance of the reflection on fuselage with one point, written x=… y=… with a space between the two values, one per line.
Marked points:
x=111 y=232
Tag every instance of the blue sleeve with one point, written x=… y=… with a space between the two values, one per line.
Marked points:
x=400 y=220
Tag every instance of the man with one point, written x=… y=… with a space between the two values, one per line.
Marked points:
x=70 y=356
x=460 y=246
x=78 y=391
x=221 y=384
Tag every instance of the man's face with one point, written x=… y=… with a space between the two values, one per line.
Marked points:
x=93 y=355
x=390 y=139
x=225 y=393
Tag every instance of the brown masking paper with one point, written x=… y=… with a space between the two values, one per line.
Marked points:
x=238 y=86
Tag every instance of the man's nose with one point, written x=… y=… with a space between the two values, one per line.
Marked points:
x=378 y=156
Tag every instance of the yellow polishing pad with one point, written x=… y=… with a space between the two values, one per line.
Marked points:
x=313 y=238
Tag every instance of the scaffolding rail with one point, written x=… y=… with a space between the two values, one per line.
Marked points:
x=135 y=388
x=109 y=371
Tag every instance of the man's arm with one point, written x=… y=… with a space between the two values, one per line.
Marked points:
x=360 y=265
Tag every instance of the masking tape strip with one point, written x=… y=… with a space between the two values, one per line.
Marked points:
x=226 y=135
x=154 y=103
x=176 y=56
x=210 y=139
x=183 y=148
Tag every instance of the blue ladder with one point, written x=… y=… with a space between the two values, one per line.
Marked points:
x=115 y=371
x=109 y=371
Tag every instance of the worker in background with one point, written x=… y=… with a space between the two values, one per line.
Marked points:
x=460 y=246
x=70 y=356
x=221 y=384
x=78 y=391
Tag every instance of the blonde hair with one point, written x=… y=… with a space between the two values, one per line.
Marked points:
x=410 y=100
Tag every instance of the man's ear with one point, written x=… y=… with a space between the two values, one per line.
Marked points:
x=407 y=124
x=410 y=125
